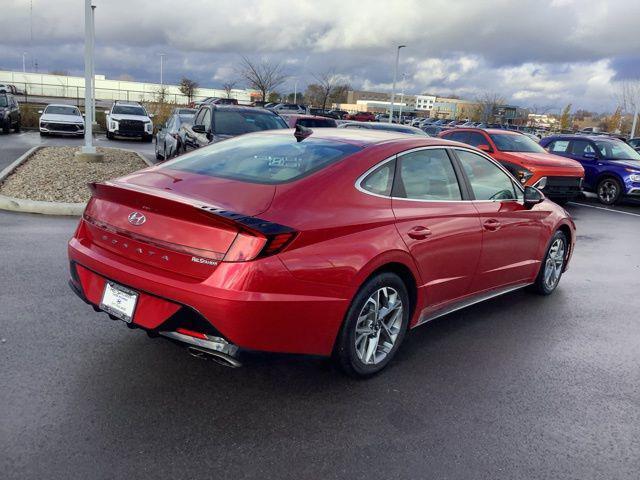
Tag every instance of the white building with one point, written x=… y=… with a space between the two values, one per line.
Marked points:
x=425 y=102
x=62 y=86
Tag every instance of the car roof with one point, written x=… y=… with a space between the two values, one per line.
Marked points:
x=238 y=108
x=60 y=105
x=302 y=115
x=487 y=130
x=568 y=136
x=366 y=137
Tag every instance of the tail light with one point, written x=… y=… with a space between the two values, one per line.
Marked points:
x=249 y=246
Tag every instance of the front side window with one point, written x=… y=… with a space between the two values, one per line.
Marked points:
x=232 y=122
x=427 y=175
x=488 y=181
x=269 y=159
x=3 y=101
x=580 y=147
x=510 y=142
x=206 y=119
x=475 y=139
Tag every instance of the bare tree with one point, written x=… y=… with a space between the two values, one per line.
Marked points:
x=628 y=98
x=327 y=83
x=264 y=76
x=489 y=101
x=188 y=87
x=228 y=87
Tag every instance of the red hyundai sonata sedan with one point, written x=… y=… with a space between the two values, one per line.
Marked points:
x=334 y=243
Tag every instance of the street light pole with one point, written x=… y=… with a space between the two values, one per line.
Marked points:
x=88 y=151
x=24 y=62
x=162 y=55
x=395 y=77
x=401 y=98
x=93 y=65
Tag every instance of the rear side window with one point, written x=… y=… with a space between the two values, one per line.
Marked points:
x=558 y=146
x=427 y=175
x=269 y=159
x=380 y=180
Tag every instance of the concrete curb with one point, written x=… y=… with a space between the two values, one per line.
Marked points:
x=45 y=208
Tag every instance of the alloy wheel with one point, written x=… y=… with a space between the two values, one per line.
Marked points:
x=554 y=263
x=608 y=191
x=378 y=325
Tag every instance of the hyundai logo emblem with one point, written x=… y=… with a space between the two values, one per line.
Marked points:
x=136 y=218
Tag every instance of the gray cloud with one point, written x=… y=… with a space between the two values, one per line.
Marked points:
x=530 y=51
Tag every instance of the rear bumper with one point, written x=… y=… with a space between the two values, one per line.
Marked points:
x=299 y=317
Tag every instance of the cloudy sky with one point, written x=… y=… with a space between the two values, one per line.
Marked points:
x=542 y=53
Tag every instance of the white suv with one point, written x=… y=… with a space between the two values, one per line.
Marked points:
x=129 y=119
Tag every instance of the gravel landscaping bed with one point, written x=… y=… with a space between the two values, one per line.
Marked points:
x=54 y=174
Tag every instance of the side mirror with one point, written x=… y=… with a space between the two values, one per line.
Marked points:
x=40 y=112
x=590 y=155
x=83 y=114
x=198 y=129
x=485 y=148
x=151 y=115
x=532 y=196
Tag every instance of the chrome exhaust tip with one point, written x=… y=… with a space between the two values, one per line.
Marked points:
x=218 y=357
x=212 y=348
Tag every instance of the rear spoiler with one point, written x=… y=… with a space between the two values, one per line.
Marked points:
x=175 y=205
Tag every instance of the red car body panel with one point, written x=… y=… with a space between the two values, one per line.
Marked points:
x=361 y=117
x=295 y=301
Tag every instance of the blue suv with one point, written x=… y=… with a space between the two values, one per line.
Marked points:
x=611 y=167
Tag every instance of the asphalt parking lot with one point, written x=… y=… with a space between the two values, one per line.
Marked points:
x=13 y=145
x=518 y=387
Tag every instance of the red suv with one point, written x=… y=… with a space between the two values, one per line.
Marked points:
x=335 y=243
x=559 y=178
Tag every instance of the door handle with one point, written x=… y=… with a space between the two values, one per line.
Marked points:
x=492 y=224
x=419 y=232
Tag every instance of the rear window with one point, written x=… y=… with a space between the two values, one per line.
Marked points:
x=269 y=159
x=317 y=122
x=230 y=122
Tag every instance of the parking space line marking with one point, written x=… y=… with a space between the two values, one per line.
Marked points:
x=605 y=209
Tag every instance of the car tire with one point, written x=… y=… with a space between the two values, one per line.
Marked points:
x=43 y=134
x=552 y=265
x=147 y=138
x=609 y=191
x=17 y=127
x=109 y=135
x=359 y=350
x=6 y=128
